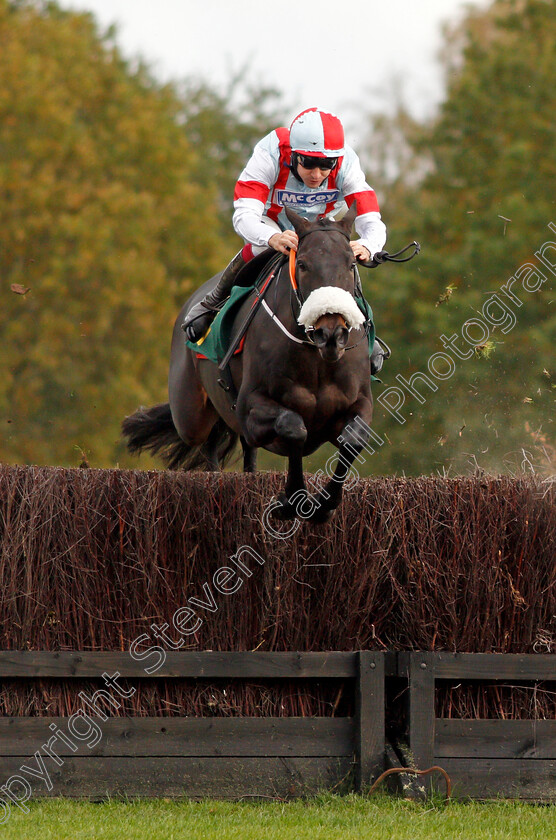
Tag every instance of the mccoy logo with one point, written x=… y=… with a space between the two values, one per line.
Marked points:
x=290 y=198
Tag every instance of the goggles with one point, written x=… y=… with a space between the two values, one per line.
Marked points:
x=308 y=162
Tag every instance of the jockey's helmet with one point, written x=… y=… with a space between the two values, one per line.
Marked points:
x=317 y=134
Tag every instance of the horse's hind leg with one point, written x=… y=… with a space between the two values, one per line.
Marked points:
x=192 y=412
x=210 y=450
x=249 y=456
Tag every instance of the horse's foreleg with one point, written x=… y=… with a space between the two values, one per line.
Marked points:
x=267 y=423
x=295 y=491
x=352 y=440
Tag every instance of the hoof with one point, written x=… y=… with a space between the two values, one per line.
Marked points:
x=321 y=516
x=325 y=507
x=283 y=510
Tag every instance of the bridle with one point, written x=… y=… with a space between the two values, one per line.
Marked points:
x=276 y=271
x=300 y=299
x=293 y=260
x=298 y=294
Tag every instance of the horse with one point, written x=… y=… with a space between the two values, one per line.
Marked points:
x=301 y=380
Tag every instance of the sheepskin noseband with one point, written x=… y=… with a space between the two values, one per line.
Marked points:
x=330 y=300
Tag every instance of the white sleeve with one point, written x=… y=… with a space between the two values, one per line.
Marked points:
x=368 y=223
x=248 y=222
x=372 y=232
x=252 y=190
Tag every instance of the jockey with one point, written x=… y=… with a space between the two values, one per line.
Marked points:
x=309 y=168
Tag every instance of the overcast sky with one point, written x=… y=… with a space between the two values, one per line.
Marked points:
x=330 y=53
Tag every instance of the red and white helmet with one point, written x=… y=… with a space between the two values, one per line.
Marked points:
x=317 y=134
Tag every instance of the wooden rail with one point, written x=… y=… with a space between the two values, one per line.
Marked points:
x=97 y=755
x=197 y=757
x=484 y=758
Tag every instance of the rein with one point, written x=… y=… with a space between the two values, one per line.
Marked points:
x=300 y=301
x=292 y=259
x=384 y=257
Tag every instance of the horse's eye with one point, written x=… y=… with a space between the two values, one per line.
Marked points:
x=302 y=265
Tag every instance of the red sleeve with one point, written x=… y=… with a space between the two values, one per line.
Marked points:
x=251 y=189
x=367 y=202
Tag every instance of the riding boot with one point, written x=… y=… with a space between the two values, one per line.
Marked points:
x=380 y=352
x=380 y=349
x=200 y=317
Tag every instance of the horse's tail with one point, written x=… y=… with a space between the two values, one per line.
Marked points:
x=153 y=429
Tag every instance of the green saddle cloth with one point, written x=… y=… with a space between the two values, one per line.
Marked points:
x=217 y=340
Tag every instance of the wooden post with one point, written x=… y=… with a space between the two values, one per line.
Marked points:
x=421 y=711
x=370 y=724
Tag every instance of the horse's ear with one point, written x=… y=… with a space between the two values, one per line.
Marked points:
x=346 y=223
x=300 y=225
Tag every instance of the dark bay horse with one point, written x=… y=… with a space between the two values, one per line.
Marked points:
x=297 y=387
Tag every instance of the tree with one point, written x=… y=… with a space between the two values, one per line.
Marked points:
x=102 y=219
x=115 y=204
x=481 y=211
x=224 y=126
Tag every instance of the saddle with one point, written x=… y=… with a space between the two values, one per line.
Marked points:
x=215 y=346
x=216 y=342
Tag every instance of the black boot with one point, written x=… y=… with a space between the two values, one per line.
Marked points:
x=200 y=317
x=380 y=352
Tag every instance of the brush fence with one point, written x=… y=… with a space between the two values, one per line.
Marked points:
x=88 y=558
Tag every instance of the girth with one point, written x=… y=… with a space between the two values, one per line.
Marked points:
x=262 y=285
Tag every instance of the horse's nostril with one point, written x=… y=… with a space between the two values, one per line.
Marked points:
x=319 y=336
x=341 y=334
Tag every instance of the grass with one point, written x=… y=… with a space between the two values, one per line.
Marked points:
x=323 y=818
